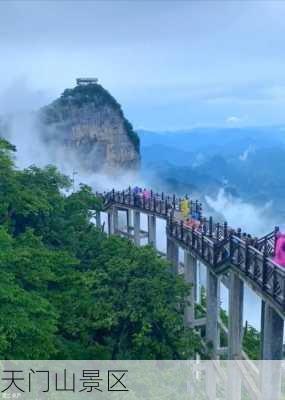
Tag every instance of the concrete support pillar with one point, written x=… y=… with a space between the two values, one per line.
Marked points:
x=236 y=290
x=129 y=220
x=210 y=381
x=233 y=381
x=272 y=331
x=212 y=330
x=271 y=380
x=98 y=219
x=198 y=283
x=172 y=253
x=137 y=228
x=151 y=220
x=190 y=275
x=116 y=219
x=168 y=249
x=112 y=221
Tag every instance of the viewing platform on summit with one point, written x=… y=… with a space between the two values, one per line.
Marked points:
x=86 y=81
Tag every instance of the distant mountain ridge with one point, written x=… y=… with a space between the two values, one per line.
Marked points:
x=245 y=162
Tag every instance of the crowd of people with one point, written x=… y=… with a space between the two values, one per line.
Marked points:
x=142 y=193
x=192 y=218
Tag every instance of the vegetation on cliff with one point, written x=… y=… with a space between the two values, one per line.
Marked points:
x=69 y=292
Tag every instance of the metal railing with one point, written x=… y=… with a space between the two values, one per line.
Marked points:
x=217 y=245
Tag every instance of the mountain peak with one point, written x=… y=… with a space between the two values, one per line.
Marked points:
x=90 y=121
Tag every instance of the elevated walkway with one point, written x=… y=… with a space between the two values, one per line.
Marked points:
x=226 y=252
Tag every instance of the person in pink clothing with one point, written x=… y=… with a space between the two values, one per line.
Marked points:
x=279 y=257
x=146 y=194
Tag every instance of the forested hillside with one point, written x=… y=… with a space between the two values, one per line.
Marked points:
x=69 y=292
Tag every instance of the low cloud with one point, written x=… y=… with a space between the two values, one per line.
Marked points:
x=239 y=213
x=233 y=120
x=246 y=153
x=19 y=96
x=24 y=132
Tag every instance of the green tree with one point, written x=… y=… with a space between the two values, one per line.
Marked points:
x=27 y=320
x=129 y=306
x=251 y=342
x=67 y=290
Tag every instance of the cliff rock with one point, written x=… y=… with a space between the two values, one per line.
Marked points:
x=88 y=121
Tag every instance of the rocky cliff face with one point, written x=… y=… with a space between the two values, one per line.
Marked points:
x=88 y=121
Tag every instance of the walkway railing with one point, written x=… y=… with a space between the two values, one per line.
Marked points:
x=217 y=245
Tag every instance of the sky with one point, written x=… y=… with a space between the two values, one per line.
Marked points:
x=171 y=64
